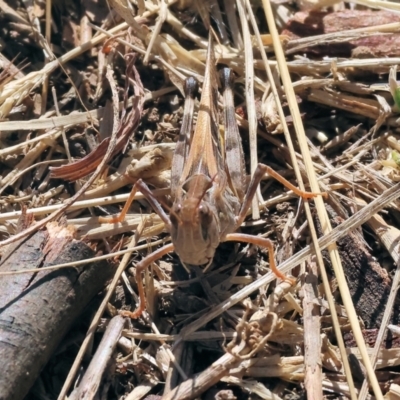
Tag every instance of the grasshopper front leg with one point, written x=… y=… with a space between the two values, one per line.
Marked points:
x=140 y=267
x=261 y=242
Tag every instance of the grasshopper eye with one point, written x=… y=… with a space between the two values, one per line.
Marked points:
x=206 y=220
x=175 y=214
x=204 y=211
x=176 y=211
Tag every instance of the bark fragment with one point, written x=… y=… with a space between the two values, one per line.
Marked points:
x=37 y=309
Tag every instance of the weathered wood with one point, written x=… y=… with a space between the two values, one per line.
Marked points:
x=37 y=309
x=368 y=282
x=312 y=338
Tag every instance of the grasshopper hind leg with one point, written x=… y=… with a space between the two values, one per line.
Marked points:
x=262 y=242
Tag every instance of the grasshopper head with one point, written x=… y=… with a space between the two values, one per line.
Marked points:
x=194 y=223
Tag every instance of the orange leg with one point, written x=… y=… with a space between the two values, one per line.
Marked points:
x=262 y=242
x=286 y=183
x=139 y=185
x=260 y=171
x=121 y=217
x=140 y=267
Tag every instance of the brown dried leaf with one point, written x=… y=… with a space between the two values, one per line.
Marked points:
x=305 y=24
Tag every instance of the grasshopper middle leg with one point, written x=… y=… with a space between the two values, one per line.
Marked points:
x=259 y=173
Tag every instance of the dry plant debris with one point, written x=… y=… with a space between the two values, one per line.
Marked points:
x=91 y=100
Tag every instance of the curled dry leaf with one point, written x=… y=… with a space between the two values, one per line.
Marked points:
x=153 y=166
x=88 y=164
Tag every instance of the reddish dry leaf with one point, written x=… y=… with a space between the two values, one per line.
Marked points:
x=130 y=122
x=305 y=24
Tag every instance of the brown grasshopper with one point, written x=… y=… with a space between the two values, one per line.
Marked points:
x=208 y=183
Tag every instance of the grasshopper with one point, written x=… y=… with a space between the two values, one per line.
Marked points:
x=208 y=183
